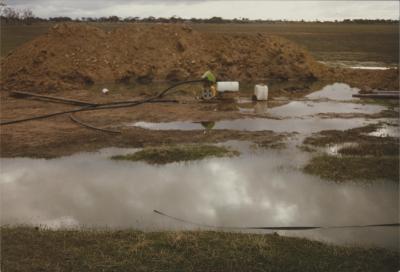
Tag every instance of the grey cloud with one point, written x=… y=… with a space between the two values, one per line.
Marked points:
x=308 y=10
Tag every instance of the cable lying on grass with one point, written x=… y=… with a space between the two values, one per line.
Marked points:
x=276 y=228
x=94 y=106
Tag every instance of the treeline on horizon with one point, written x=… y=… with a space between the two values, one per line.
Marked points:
x=13 y=16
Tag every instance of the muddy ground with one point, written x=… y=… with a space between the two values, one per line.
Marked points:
x=59 y=136
x=74 y=60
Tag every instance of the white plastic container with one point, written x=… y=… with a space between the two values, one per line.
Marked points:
x=227 y=86
x=261 y=92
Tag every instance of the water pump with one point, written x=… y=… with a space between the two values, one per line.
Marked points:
x=211 y=87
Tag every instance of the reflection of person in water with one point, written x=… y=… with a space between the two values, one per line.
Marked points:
x=208 y=126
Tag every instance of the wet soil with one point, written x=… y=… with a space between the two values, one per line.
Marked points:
x=59 y=136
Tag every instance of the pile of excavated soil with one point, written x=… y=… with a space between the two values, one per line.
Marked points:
x=73 y=55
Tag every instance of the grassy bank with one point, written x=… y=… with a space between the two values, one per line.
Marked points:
x=29 y=249
x=354 y=168
x=176 y=153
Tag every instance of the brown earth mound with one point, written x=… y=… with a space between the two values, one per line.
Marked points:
x=72 y=55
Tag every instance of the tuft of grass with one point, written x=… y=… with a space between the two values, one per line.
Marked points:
x=176 y=153
x=354 y=168
x=373 y=158
x=366 y=144
x=387 y=147
x=338 y=136
x=29 y=249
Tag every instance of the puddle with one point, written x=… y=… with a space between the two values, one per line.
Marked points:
x=303 y=108
x=366 y=65
x=307 y=125
x=386 y=131
x=263 y=188
x=370 y=67
x=297 y=109
x=295 y=116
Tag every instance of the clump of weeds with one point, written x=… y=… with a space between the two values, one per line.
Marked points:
x=177 y=153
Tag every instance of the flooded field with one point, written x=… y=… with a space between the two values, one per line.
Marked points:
x=111 y=160
x=259 y=188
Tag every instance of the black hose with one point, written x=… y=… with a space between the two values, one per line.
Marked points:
x=111 y=105
x=76 y=120
x=53 y=99
x=276 y=228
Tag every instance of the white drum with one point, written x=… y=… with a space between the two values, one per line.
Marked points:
x=227 y=86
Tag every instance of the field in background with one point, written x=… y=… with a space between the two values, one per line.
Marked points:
x=327 y=42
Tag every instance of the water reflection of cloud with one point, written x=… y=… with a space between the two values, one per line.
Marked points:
x=250 y=190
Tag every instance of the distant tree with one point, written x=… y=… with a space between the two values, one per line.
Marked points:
x=60 y=19
x=10 y=15
x=216 y=20
x=27 y=16
x=175 y=19
x=113 y=19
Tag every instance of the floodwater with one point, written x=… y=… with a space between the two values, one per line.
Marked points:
x=261 y=187
x=258 y=188
x=364 y=65
x=308 y=125
x=386 y=130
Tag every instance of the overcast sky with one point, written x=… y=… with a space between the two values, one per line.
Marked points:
x=292 y=10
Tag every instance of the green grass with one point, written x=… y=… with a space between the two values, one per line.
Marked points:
x=387 y=147
x=358 y=135
x=371 y=158
x=176 y=153
x=29 y=249
x=354 y=168
x=348 y=42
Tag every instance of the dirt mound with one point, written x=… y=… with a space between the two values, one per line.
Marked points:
x=368 y=79
x=72 y=55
